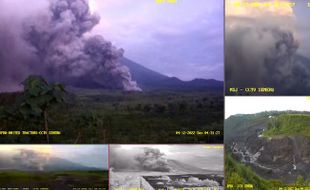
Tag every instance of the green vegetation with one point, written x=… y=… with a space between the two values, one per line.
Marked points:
x=237 y=173
x=54 y=180
x=239 y=124
x=35 y=102
x=39 y=97
x=98 y=116
x=288 y=125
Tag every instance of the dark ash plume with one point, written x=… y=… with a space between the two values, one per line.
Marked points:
x=60 y=50
x=153 y=160
x=139 y=159
x=264 y=54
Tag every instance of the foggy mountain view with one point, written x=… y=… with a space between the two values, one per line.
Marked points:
x=29 y=158
x=161 y=166
x=58 y=167
x=107 y=76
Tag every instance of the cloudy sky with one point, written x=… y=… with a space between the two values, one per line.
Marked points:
x=256 y=104
x=302 y=13
x=87 y=155
x=210 y=157
x=184 y=39
x=266 y=46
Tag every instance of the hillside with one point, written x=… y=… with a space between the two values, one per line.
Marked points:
x=237 y=173
x=288 y=124
x=53 y=164
x=151 y=80
x=260 y=160
x=241 y=124
x=180 y=167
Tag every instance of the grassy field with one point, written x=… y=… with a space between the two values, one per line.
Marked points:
x=288 y=125
x=93 y=116
x=60 y=180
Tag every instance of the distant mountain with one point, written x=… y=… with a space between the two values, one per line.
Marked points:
x=55 y=164
x=151 y=80
x=181 y=167
x=38 y=164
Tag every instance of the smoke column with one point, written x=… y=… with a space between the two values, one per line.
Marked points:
x=141 y=159
x=261 y=50
x=30 y=160
x=153 y=160
x=54 y=44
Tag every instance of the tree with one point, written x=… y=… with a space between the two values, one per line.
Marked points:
x=39 y=96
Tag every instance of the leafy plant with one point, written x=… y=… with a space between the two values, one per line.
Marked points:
x=39 y=96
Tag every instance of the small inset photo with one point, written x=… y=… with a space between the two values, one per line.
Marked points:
x=151 y=167
x=267 y=142
x=111 y=71
x=267 y=47
x=54 y=167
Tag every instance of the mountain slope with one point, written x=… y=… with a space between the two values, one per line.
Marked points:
x=55 y=164
x=180 y=167
x=284 y=157
x=7 y=162
x=151 y=80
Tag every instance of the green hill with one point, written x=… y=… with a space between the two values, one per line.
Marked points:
x=240 y=123
x=288 y=125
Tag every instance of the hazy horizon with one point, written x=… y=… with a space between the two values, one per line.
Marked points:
x=38 y=155
x=252 y=105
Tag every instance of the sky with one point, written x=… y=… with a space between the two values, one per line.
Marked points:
x=255 y=104
x=208 y=157
x=87 y=155
x=183 y=39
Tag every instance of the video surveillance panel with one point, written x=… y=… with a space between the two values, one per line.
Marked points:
x=267 y=142
x=151 y=167
x=111 y=71
x=267 y=47
x=54 y=167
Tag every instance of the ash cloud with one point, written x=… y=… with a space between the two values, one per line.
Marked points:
x=31 y=160
x=263 y=52
x=55 y=44
x=15 y=55
x=140 y=159
x=24 y=160
x=153 y=160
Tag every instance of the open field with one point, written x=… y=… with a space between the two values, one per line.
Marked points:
x=58 y=180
